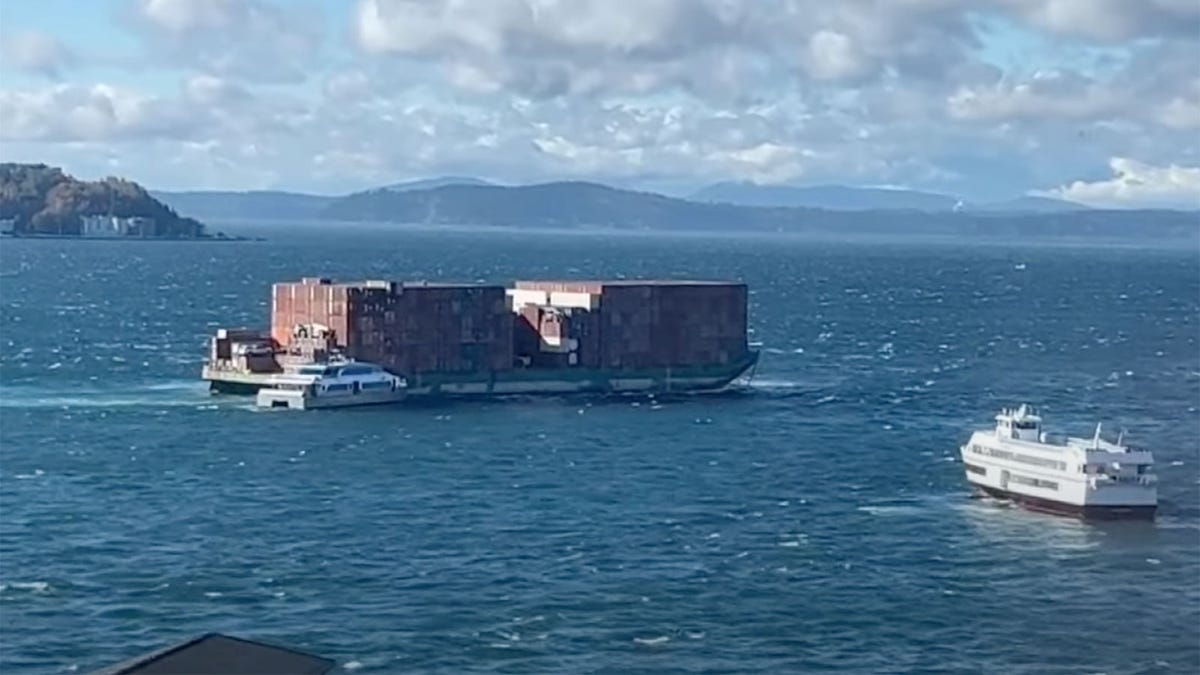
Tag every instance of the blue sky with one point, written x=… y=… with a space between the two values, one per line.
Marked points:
x=1092 y=100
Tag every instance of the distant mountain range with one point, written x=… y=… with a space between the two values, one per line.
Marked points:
x=278 y=205
x=843 y=198
x=725 y=207
x=254 y=205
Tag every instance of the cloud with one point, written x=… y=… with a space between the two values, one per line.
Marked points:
x=832 y=56
x=1136 y=183
x=69 y=113
x=904 y=92
x=1112 y=20
x=36 y=52
x=1181 y=113
x=556 y=48
x=552 y=48
x=251 y=39
x=1048 y=94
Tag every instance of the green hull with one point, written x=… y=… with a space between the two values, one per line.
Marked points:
x=542 y=381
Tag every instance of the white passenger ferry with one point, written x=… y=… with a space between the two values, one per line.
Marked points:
x=1088 y=477
x=338 y=383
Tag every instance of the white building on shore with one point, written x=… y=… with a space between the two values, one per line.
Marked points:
x=113 y=226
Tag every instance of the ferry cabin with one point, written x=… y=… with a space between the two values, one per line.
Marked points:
x=332 y=385
x=341 y=380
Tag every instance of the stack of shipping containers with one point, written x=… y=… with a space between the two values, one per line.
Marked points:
x=650 y=324
x=409 y=329
x=445 y=328
x=312 y=301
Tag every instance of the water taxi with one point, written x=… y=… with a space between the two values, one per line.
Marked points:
x=337 y=383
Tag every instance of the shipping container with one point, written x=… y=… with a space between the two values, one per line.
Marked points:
x=411 y=329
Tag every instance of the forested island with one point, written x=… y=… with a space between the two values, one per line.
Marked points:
x=41 y=200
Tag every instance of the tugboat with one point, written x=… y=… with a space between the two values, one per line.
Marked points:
x=335 y=383
x=1083 y=477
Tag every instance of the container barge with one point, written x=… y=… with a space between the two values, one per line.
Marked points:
x=536 y=337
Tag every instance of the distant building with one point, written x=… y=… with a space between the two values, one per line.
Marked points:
x=140 y=226
x=102 y=226
x=112 y=226
x=8 y=225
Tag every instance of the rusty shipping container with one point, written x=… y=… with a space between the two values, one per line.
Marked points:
x=410 y=329
x=647 y=324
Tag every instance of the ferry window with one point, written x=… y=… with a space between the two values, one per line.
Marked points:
x=976 y=469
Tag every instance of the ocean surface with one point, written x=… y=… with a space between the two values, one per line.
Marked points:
x=818 y=521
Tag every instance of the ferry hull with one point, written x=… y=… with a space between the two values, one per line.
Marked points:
x=291 y=399
x=1084 y=511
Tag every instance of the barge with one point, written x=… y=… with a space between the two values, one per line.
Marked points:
x=536 y=337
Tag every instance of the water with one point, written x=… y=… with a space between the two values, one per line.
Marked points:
x=820 y=521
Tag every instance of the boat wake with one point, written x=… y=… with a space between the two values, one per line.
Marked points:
x=182 y=393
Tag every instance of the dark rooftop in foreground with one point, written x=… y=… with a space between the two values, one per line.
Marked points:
x=216 y=654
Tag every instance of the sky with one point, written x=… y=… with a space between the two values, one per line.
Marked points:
x=1096 y=101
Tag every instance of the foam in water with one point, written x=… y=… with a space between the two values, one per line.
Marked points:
x=769 y=384
x=164 y=394
x=32 y=586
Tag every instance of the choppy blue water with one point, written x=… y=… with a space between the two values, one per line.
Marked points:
x=818 y=522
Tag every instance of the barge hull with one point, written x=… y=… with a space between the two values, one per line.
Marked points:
x=689 y=379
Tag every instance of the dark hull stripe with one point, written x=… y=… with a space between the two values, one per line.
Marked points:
x=1091 y=511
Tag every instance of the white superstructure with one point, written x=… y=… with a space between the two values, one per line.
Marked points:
x=335 y=384
x=1091 y=477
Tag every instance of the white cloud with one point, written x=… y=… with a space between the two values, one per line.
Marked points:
x=549 y=48
x=181 y=16
x=833 y=56
x=68 y=113
x=1112 y=19
x=250 y=39
x=211 y=90
x=1181 y=113
x=35 y=52
x=1136 y=183
x=1049 y=94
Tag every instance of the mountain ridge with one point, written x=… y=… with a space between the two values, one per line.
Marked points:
x=245 y=205
x=585 y=204
x=581 y=204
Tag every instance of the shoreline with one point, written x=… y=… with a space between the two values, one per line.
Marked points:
x=83 y=237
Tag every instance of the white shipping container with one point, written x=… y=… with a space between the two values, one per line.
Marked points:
x=580 y=300
x=519 y=297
